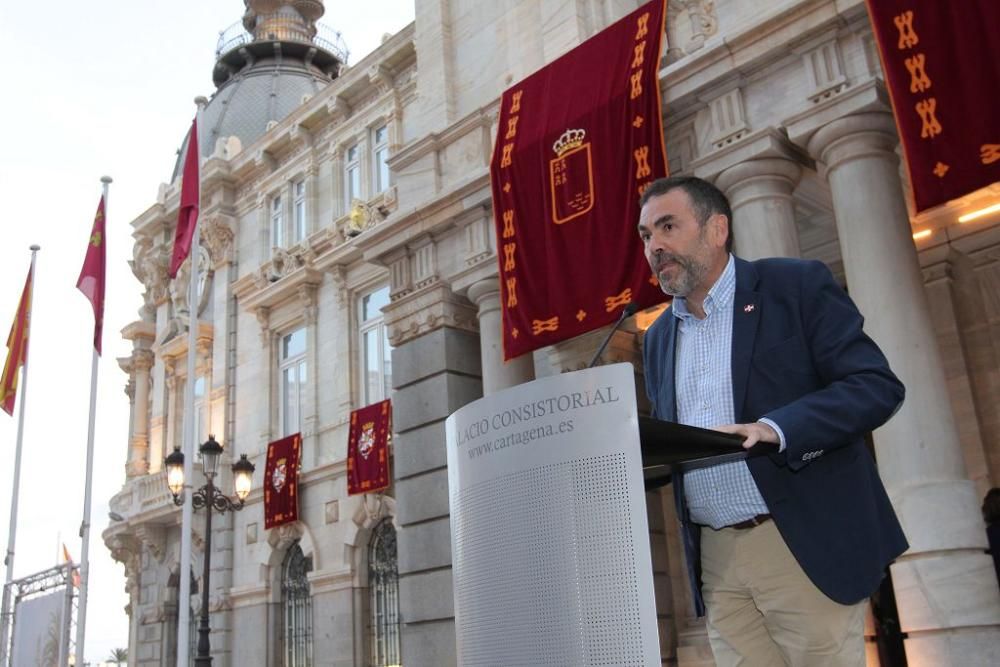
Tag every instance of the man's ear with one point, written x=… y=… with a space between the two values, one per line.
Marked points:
x=718 y=228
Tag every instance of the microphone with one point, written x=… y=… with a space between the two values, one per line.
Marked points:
x=628 y=311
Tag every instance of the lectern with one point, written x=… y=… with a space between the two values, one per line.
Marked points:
x=550 y=543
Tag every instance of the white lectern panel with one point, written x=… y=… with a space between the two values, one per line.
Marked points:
x=550 y=546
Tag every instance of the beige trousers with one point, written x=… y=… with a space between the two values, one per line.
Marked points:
x=763 y=610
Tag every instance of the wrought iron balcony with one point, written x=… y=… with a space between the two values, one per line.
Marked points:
x=283 y=30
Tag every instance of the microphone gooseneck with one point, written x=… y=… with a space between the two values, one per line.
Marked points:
x=629 y=310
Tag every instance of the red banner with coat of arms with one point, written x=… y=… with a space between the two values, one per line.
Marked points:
x=577 y=143
x=368 y=448
x=940 y=62
x=281 y=481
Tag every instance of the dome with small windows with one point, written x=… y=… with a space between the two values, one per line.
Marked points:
x=266 y=66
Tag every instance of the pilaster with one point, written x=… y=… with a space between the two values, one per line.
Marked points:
x=436 y=370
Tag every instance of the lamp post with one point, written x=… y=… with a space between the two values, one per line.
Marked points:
x=208 y=497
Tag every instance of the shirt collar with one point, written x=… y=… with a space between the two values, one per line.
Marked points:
x=719 y=296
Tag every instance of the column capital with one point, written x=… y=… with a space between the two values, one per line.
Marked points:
x=854 y=136
x=750 y=180
x=485 y=294
x=142 y=360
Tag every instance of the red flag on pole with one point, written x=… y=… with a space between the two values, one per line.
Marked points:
x=368 y=448
x=577 y=143
x=91 y=280
x=17 y=349
x=281 y=481
x=187 y=217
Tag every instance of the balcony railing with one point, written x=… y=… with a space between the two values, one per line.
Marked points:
x=286 y=30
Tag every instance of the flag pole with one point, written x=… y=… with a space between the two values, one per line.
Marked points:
x=184 y=603
x=12 y=534
x=81 y=614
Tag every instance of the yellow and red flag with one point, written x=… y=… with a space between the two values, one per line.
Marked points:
x=187 y=216
x=943 y=82
x=281 y=481
x=91 y=280
x=17 y=348
x=577 y=144
x=69 y=559
x=368 y=448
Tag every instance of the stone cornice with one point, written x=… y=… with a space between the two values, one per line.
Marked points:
x=177 y=346
x=483 y=117
x=431 y=217
x=139 y=332
x=254 y=291
x=865 y=97
x=326 y=581
x=766 y=143
x=249 y=596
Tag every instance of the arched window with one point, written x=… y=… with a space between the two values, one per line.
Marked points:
x=298 y=608
x=383 y=584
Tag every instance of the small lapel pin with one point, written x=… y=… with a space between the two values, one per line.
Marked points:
x=748 y=308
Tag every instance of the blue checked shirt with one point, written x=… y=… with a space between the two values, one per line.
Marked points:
x=724 y=494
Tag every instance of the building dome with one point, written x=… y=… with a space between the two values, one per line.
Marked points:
x=266 y=66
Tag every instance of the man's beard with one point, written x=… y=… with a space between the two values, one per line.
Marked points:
x=688 y=273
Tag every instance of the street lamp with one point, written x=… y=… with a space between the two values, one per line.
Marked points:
x=208 y=497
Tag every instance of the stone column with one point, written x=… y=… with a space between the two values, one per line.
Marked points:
x=435 y=371
x=760 y=193
x=138 y=453
x=497 y=374
x=946 y=590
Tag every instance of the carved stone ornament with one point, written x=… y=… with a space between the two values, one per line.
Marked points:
x=284 y=536
x=283 y=263
x=153 y=539
x=689 y=24
x=217 y=238
x=179 y=286
x=150 y=266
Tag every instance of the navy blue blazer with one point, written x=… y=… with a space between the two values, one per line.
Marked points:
x=800 y=358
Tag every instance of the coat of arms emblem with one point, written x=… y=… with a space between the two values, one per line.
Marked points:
x=571 y=177
x=366 y=442
x=280 y=475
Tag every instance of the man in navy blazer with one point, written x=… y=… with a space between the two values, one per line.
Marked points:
x=784 y=548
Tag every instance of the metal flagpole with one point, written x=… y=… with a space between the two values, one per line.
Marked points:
x=12 y=534
x=81 y=617
x=184 y=603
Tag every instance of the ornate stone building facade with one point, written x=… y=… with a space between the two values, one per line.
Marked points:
x=349 y=213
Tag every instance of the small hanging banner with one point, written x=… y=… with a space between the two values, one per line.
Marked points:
x=368 y=448
x=281 y=481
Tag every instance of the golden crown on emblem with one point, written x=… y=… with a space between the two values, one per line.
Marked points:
x=570 y=139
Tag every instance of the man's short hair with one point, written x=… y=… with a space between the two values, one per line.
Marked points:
x=706 y=199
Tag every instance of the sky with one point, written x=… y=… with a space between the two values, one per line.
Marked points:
x=96 y=88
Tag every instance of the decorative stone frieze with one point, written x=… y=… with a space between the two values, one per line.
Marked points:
x=425 y=268
x=424 y=310
x=729 y=119
x=824 y=66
